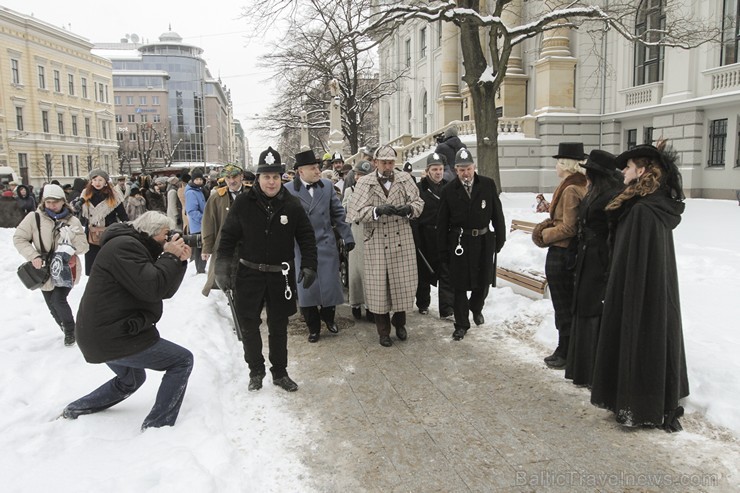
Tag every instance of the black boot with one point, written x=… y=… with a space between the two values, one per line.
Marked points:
x=69 y=335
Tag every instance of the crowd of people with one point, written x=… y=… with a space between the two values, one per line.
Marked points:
x=272 y=242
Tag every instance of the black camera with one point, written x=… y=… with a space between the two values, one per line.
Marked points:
x=193 y=241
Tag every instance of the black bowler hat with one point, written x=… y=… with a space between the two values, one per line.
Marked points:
x=645 y=150
x=269 y=162
x=305 y=158
x=601 y=162
x=571 y=150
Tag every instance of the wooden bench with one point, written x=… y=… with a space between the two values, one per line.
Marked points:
x=533 y=282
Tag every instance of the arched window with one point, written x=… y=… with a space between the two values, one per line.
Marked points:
x=424 y=111
x=649 y=22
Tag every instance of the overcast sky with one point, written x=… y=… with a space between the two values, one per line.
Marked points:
x=214 y=26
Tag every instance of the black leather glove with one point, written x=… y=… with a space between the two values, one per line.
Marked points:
x=308 y=276
x=385 y=209
x=403 y=211
x=223 y=276
x=349 y=246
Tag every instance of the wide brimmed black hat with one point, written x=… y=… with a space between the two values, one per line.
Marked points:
x=269 y=162
x=571 y=150
x=601 y=162
x=305 y=158
x=645 y=150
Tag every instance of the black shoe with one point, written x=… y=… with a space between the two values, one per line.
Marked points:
x=423 y=311
x=459 y=334
x=313 y=337
x=332 y=327
x=357 y=312
x=555 y=354
x=385 y=341
x=445 y=314
x=285 y=383
x=478 y=318
x=557 y=363
x=369 y=316
x=401 y=333
x=255 y=382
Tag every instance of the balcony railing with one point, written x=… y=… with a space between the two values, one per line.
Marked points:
x=724 y=79
x=645 y=95
x=409 y=147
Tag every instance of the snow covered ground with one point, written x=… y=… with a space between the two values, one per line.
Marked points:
x=226 y=439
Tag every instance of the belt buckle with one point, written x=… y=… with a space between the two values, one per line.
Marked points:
x=474 y=232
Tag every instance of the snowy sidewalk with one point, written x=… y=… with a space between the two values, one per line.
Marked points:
x=482 y=414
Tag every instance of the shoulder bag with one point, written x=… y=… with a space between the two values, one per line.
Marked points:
x=30 y=276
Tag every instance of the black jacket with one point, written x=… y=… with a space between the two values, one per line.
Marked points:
x=476 y=266
x=264 y=231
x=123 y=297
x=448 y=148
x=425 y=229
x=640 y=370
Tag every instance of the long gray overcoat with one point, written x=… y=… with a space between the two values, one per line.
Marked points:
x=390 y=253
x=325 y=212
x=356 y=259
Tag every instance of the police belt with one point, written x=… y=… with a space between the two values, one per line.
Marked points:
x=261 y=267
x=473 y=232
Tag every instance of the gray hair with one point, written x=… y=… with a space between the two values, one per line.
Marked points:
x=152 y=223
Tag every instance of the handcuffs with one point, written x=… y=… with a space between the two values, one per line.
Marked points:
x=288 y=291
x=459 y=249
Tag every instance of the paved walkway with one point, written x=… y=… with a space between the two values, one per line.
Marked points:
x=483 y=414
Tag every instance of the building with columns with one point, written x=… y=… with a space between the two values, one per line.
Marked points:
x=574 y=85
x=56 y=102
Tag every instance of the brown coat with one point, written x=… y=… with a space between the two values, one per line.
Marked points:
x=217 y=207
x=390 y=253
x=564 y=211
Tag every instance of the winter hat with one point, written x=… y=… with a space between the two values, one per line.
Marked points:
x=327 y=157
x=385 y=153
x=464 y=157
x=52 y=191
x=135 y=191
x=451 y=131
x=172 y=180
x=232 y=170
x=160 y=180
x=196 y=173
x=99 y=172
x=363 y=167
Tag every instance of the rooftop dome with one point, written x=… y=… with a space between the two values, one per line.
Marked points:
x=170 y=37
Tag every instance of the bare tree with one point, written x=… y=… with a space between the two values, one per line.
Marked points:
x=313 y=54
x=487 y=41
x=164 y=142
x=126 y=153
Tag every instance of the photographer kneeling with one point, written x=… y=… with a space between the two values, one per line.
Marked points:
x=138 y=266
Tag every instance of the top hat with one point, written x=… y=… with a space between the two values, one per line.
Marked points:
x=601 y=162
x=305 y=158
x=571 y=150
x=645 y=150
x=269 y=162
x=435 y=158
x=464 y=157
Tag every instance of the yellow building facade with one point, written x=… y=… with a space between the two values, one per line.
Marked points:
x=56 y=103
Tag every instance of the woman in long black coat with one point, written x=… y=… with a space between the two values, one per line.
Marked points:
x=592 y=265
x=640 y=370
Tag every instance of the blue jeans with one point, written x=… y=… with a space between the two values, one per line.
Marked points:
x=174 y=360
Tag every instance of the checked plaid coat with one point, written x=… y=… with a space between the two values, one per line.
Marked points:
x=390 y=254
